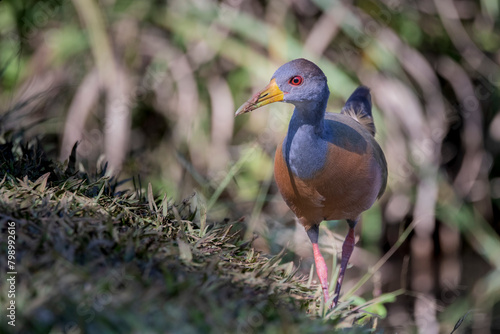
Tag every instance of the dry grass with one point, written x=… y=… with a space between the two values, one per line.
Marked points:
x=152 y=86
x=94 y=260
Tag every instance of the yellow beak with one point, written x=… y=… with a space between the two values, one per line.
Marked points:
x=272 y=93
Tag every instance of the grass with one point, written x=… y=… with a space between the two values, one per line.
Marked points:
x=189 y=65
x=91 y=259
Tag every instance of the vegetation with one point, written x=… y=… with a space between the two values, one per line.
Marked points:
x=150 y=87
x=91 y=259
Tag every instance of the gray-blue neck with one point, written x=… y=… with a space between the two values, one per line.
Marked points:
x=308 y=113
x=303 y=149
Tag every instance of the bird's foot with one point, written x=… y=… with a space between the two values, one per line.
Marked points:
x=347 y=249
x=334 y=302
x=326 y=295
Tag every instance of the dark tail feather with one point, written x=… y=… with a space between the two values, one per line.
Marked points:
x=359 y=107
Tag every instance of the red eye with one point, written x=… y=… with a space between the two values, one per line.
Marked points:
x=295 y=81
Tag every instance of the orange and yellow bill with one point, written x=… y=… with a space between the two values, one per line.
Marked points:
x=271 y=93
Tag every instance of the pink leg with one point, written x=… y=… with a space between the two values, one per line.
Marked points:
x=319 y=261
x=347 y=249
x=321 y=270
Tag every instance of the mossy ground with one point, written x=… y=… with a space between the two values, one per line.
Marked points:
x=90 y=259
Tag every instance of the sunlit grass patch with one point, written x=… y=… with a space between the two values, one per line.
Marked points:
x=95 y=260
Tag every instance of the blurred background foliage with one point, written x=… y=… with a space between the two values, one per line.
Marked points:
x=152 y=86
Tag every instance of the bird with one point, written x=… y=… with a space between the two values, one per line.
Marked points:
x=329 y=165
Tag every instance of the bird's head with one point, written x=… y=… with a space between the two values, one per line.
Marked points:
x=299 y=82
